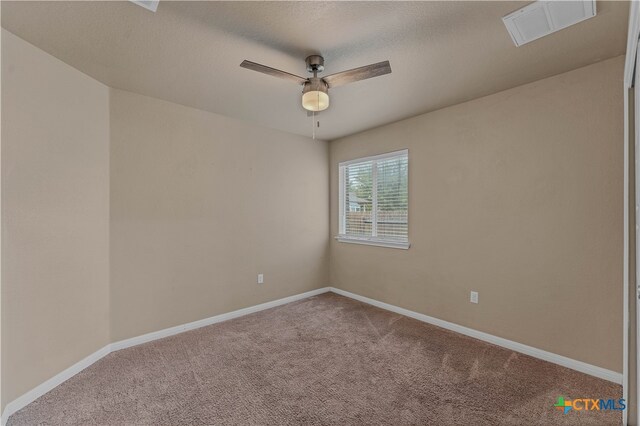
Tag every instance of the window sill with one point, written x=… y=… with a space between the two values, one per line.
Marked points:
x=373 y=242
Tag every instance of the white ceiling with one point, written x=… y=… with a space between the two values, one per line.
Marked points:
x=441 y=53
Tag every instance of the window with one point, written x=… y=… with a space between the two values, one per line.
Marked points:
x=374 y=200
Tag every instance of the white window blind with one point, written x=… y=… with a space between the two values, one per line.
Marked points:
x=374 y=200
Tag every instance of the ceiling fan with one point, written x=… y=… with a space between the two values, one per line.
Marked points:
x=315 y=92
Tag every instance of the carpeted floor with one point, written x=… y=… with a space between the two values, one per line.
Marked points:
x=320 y=361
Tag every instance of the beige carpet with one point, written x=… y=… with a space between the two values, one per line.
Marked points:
x=320 y=361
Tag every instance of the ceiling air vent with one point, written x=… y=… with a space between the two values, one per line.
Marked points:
x=542 y=18
x=151 y=5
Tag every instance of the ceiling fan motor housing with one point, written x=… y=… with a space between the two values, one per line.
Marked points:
x=315 y=84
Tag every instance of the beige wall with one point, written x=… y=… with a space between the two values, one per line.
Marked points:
x=200 y=204
x=517 y=196
x=55 y=216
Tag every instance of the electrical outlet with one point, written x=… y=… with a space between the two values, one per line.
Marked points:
x=260 y=279
x=474 y=297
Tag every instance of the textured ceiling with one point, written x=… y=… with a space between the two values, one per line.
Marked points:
x=441 y=53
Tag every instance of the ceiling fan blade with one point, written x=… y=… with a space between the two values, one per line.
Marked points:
x=272 y=71
x=357 y=74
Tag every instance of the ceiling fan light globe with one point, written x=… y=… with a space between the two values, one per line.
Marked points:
x=315 y=100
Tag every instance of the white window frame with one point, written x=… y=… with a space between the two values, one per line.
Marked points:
x=373 y=240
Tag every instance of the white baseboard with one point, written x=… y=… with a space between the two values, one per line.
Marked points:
x=59 y=378
x=56 y=380
x=138 y=340
x=573 y=364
